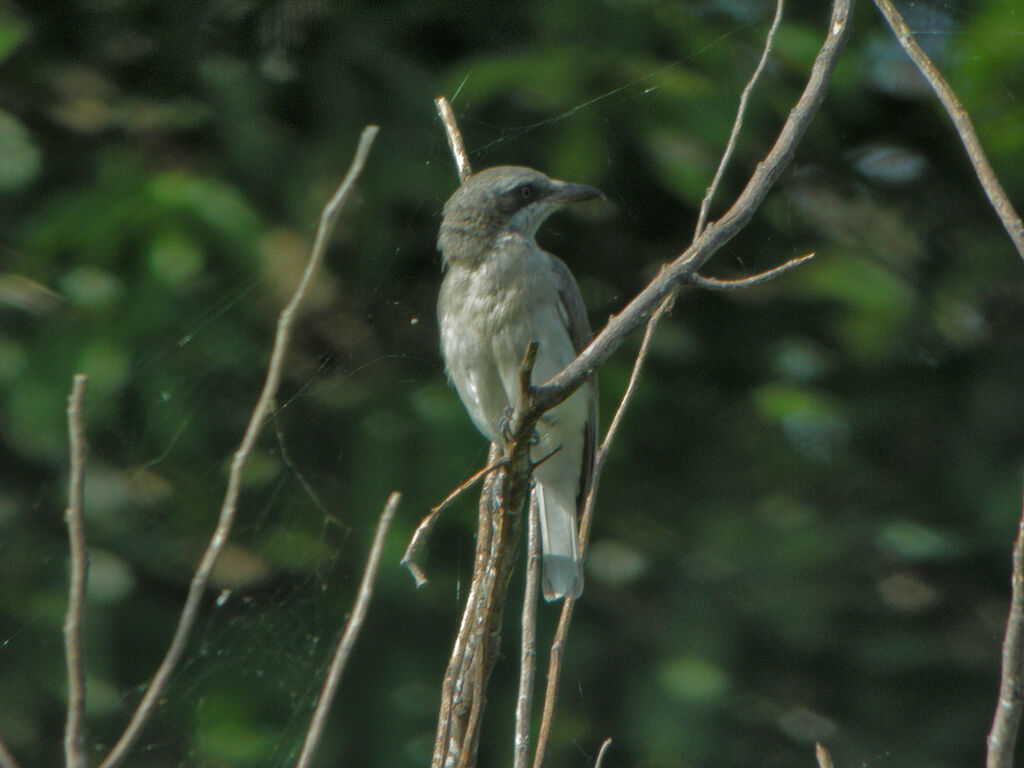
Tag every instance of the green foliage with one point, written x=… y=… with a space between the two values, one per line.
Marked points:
x=804 y=530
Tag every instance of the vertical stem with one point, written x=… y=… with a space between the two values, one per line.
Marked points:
x=74 y=737
x=1002 y=739
x=528 y=649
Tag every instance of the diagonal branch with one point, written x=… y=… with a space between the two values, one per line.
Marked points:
x=348 y=637
x=962 y=122
x=419 y=538
x=201 y=578
x=717 y=233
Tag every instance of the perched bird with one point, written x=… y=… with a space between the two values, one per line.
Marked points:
x=501 y=292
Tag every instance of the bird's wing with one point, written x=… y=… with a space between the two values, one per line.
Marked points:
x=574 y=311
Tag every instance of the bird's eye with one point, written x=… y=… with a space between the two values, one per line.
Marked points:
x=526 y=192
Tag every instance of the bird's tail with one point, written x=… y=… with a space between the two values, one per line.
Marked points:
x=562 y=569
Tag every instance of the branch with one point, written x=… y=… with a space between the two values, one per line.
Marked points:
x=457 y=693
x=718 y=233
x=1002 y=739
x=74 y=736
x=451 y=130
x=6 y=758
x=823 y=757
x=528 y=649
x=478 y=643
x=714 y=284
x=348 y=638
x=737 y=124
x=419 y=538
x=962 y=122
x=201 y=578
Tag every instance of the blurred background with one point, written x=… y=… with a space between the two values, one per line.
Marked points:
x=804 y=530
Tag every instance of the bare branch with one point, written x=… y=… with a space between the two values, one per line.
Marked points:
x=714 y=284
x=627 y=397
x=528 y=647
x=419 y=538
x=1002 y=739
x=74 y=735
x=737 y=124
x=602 y=752
x=6 y=758
x=348 y=638
x=201 y=578
x=451 y=130
x=823 y=757
x=717 y=233
x=962 y=122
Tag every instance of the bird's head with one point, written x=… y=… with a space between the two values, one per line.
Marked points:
x=501 y=200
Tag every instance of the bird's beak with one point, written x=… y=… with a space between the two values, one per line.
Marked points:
x=574 y=193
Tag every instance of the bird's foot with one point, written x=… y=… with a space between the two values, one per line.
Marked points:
x=505 y=428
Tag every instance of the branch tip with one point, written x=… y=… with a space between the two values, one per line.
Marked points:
x=451 y=130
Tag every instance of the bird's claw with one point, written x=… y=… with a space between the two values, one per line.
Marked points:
x=505 y=425
x=505 y=428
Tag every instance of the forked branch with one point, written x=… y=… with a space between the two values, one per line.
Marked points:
x=717 y=233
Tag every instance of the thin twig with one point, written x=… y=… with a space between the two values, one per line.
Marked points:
x=451 y=130
x=6 y=758
x=348 y=638
x=74 y=735
x=562 y=631
x=1002 y=739
x=603 y=751
x=528 y=646
x=473 y=480
x=419 y=538
x=737 y=124
x=823 y=756
x=201 y=578
x=962 y=122
x=714 y=284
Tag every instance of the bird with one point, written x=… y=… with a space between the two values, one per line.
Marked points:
x=499 y=293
